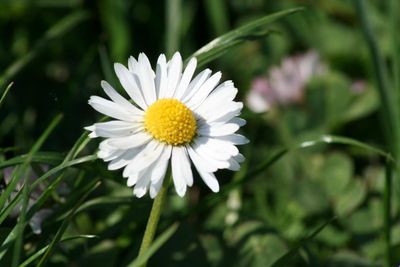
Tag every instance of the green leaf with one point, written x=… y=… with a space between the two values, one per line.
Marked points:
x=18 y=173
x=3 y=96
x=332 y=139
x=39 y=157
x=336 y=174
x=49 y=250
x=351 y=197
x=253 y=30
x=173 y=26
x=390 y=115
x=164 y=237
x=42 y=250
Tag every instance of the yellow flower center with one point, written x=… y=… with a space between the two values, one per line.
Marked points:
x=170 y=121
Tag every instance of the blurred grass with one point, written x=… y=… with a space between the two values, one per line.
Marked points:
x=58 y=30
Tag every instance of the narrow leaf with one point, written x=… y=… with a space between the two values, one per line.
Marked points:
x=3 y=96
x=64 y=226
x=250 y=31
x=42 y=250
x=285 y=259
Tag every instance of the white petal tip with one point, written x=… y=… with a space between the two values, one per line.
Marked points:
x=139 y=192
x=215 y=189
x=89 y=128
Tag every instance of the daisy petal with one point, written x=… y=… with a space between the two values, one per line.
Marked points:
x=145 y=76
x=221 y=95
x=161 y=77
x=235 y=139
x=108 y=155
x=111 y=109
x=220 y=149
x=195 y=85
x=239 y=158
x=132 y=64
x=132 y=141
x=218 y=130
x=114 y=129
x=142 y=184
x=181 y=156
x=186 y=77
x=132 y=179
x=127 y=81
x=118 y=99
x=239 y=121
x=161 y=165
x=208 y=178
x=174 y=74
x=177 y=174
x=224 y=113
x=233 y=165
x=203 y=163
x=123 y=160
x=149 y=154
x=209 y=158
x=204 y=91
x=156 y=186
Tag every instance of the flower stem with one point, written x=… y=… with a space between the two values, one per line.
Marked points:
x=154 y=217
x=387 y=214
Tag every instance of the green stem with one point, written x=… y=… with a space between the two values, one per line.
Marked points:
x=390 y=114
x=387 y=210
x=173 y=26
x=154 y=217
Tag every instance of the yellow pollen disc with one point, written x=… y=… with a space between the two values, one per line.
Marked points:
x=170 y=121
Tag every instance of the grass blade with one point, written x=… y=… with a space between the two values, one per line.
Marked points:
x=218 y=15
x=250 y=31
x=22 y=172
x=3 y=96
x=395 y=46
x=65 y=224
x=287 y=257
x=42 y=250
x=390 y=109
x=387 y=207
x=39 y=157
x=173 y=29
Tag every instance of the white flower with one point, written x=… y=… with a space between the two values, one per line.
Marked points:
x=173 y=118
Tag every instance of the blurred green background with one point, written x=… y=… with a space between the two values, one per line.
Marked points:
x=57 y=51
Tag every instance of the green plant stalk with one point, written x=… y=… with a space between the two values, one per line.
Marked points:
x=22 y=222
x=173 y=26
x=390 y=109
x=3 y=96
x=393 y=13
x=386 y=213
x=154 y=217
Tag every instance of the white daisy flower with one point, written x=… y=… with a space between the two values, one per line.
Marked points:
x=173 y=118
